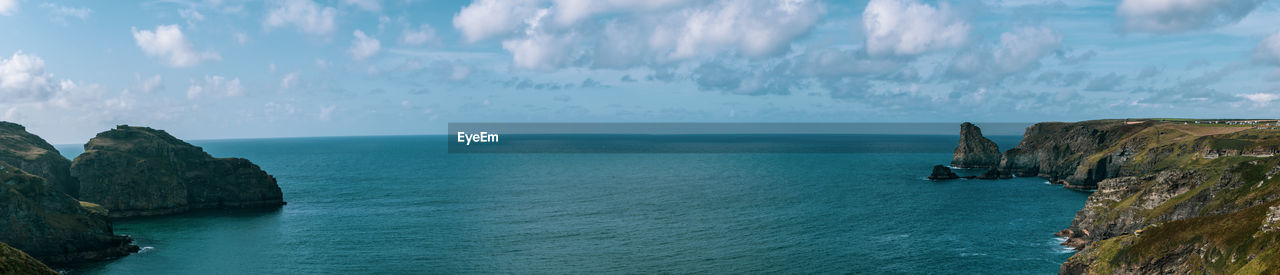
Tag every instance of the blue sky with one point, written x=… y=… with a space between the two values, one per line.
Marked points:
x=235 y=69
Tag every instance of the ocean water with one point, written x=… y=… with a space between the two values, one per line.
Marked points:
x=403 y=205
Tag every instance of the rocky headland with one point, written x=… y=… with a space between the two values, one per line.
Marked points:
x=36 y=156
x=1171 y=197
x=139 y=171
x=58 y=212
x=51 y=226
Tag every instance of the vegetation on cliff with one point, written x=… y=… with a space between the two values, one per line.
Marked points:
x=33 y=155
x=13 y=261
x=1170 y=197
x=139 y=171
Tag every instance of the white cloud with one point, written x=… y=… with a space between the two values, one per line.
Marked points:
x=322 y=63
x=538 y=50
x=191 y=15
x=215 y=85
x=290 y=80
x=150 y=84
x=484 y=19
x=326 y=112
x=1169 y=16
x=554 y=34
x=241 y=38
x=1268 y=50
x=22 y=76
x=908 y=27
x=306 y=15
x=368 y=5
x=752 y=28
x=417 y=37
x=168 y=44
x=1261 y=98
x=7 y=7
x=1024 y=46
x=60 y=13
x=363 y=47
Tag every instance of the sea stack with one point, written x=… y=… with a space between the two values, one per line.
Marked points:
x=50 y=225
x=139 y=171
x=32 y=154
x=975 y=150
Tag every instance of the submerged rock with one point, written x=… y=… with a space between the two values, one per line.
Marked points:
x=13 y=261
x=941 y=172
x=975 y=150
x=33 y=155
x=139 y=171
x=50 y=225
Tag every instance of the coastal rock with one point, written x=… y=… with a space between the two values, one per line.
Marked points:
x=13 y=261
x=50 y=225
x=33 y=155
x=1067 y=151
x=975 y=150
x=139 y=171
x=941 y=172
x=993 y=173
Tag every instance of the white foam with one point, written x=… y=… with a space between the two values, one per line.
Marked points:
x=145 y=249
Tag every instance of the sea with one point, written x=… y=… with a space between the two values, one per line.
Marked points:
x=405 y=205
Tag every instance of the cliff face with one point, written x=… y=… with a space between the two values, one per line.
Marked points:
x=50 y=225
x=13 y=261
x=1179 y=199
x=139 y=171
x=33 y=155
x=1067 y=153
x=975 y=150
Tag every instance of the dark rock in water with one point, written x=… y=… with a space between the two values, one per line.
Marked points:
x=50 y=225
x=975 y=150
x=994 y=173
x=941 y=172
x=139 y=171
x=33 y=155
x=13 y=261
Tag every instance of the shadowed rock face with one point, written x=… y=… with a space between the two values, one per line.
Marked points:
x=975 y=150
x=139 y=171
x=942 y=173
x=51 y=226
x=33 y=155
x=13 y=261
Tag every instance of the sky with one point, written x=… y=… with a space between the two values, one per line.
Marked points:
x=237 y=69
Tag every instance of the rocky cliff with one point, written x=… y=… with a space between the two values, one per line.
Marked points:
x=50 y=225
x=1170 y=197
x=33 y=155
x=975 y=150
x=13 y=261
x=139 y=171
x=1068 y=153
x=1208 y=204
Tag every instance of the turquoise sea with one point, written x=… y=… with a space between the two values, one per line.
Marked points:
x=401 y=204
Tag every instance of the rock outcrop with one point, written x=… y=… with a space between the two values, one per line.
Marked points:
x=1061 y=152
x=51 y=226
x=33 y=155
x=941 y=172
x=1163 y=205
x=975 y=150
x=139 y=171
x=13 y=261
